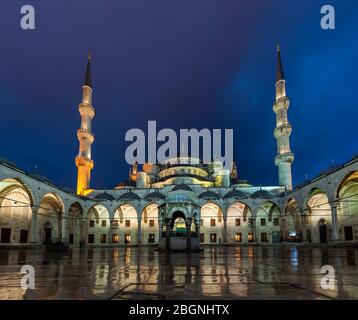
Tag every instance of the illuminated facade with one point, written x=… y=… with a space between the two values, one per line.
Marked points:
x=182 y=204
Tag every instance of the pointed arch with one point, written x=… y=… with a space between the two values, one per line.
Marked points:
x=319 y=216
x=350 y=179
x=150 y=224
x=75 y=223
x=239 y=223
x=293 y=227
x=212 y=220
x=9 y=184
x=125 y=224
x=268 y=222
x=16 y=204
x=49 y=218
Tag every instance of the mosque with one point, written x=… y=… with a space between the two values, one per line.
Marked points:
x=183 y=204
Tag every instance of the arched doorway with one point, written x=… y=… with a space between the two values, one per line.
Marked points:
x=319 y=216
x=181 y=227
x=47 y=233
x=322 y=225
x=15 y=212
x=49 y=218
x=178 y=224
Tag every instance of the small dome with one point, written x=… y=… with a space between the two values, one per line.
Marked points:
x=182 y=187
x=127 y=183
x=128 y=196
x=104 y=196
x=209 y=195
x=155 y=196
x=262 y=194
x=236 y=194
x=243 y=181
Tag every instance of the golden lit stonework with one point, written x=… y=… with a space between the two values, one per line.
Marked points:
x=85 y=136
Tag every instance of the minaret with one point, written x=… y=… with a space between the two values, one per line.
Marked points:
x=85 y=137
x=133 y=172
x=283 y=128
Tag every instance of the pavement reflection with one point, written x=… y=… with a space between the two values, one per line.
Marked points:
x=246 y=272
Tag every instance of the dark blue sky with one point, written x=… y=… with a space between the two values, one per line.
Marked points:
x=201 y=64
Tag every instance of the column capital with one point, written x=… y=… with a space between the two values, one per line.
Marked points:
x=35 y=208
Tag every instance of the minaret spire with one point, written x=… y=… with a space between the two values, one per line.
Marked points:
x=85 y=137
x=279 y=68
x=283 y=129
x=88 y=78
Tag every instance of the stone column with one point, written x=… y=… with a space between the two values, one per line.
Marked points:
x=197 y=230
x=304 y=225
x=335 y=233
x=160 y=222
x=83 y=232
x=225 y=230
x=139 y=233
x=110 y=232
x=188 y=236
x=34 y=225
x=64 y=236
x=283 y=229
x=253 y=228
x=59 y=226
x=167 y=234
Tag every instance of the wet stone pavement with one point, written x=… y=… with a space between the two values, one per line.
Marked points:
x=247 y=272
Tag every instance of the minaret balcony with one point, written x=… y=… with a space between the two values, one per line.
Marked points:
x=86 y=110
x=284 y=157
x=84 y=162
x=281 y=103
x=283 y=130
x=84 y=134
